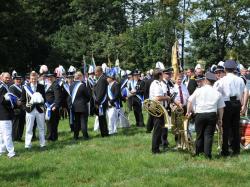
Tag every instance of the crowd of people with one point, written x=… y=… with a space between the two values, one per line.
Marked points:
x=39 y=100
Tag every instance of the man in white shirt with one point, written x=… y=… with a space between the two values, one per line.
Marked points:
x=232 y=88
x=156 y=93
x=182 y=93
x=208 y=102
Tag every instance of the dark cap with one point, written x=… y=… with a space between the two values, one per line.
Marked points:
x=136 y=72
x=168 y=70
x=17 y=76
x=230 y=64
x=199 y=77
x=219 y=68
x=50 y=74
x=210 y=76
x=70 y=74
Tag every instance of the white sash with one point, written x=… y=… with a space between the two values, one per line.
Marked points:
x=76 y=87
x=18 y=88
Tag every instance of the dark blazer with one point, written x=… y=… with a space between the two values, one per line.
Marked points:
x=147 y=86
x=6 y=112
x=140 y=86
x=116 y=91
x=82 y=98
x=25 y=99
x=192 y=85
x=100 y=90
x=53 y=95
x=15 y=91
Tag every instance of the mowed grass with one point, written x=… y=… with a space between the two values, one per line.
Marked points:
x=121 y=160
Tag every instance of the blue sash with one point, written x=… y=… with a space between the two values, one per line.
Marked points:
x=91 y=81
x=101 y=106
x=111 y=97
x=124 y=83
x=48 y=110
x=125 y=92
x=28 y=90
x=13 y=99
x=66 y=87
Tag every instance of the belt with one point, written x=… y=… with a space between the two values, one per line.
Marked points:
x=233 y=98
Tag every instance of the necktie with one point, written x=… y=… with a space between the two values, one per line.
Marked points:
x=181 y=95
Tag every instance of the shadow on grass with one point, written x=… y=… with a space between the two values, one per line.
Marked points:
x=11 y=174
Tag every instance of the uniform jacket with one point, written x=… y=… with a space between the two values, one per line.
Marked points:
x=82 y=98
x=25 y=99
x=53 y=94
x=100 y=90
x=6 y=112
x=115 y=89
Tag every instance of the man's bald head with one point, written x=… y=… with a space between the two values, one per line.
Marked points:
x=5 y=76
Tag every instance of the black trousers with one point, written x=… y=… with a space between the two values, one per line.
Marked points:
x=18 y=125
x=150 y=123
x=103 y=124
x=157 y=132
x=231 y=123
x=205 y=124
x=52 y=126
x=81 y=123
x=137 y=107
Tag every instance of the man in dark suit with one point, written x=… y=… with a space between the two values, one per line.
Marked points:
x=191 y=83
x=33 y=98
x=19 y=113
x=6 y=116
x=101 y=102
x=136 y=89
x=53 y=103
x=150 y=123
x=80 y=96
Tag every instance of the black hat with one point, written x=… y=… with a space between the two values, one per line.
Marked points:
x=219 y=68
x=70 y=74
x=136 y=72
x=199 y=77
x=17 y=76
x=230 y=64
x=168 y=70
x=211 y=76
x=50 y=74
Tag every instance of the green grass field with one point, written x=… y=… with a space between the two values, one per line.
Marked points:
x=121 y=160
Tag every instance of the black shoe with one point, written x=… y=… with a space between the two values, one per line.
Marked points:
x=224 y=154
x=85 y=137
x=156 y=152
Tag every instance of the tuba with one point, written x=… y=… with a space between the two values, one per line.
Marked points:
x=155 y=109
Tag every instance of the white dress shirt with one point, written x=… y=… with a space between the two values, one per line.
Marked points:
x=230 y=86
x=207 y=99
x=156 y=90
x=185 y=93
x=33 y=87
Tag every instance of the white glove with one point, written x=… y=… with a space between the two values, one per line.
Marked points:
x=37 y=98
x=7 y=97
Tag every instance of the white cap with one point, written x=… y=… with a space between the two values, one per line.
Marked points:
x=43 y=69
x=14 y=73
x=160 y=65
x=128 y=72
x=221 y=63
x=241 y=67
x=104 y=67
x=72 y=69
x=123 y=73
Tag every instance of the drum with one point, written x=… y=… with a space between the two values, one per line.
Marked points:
x=245 y=133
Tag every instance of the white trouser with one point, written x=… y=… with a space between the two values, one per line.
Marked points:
x=112 y=120
x=6 y=138
x=96 y=124
x=40 y=120
x=124 y=123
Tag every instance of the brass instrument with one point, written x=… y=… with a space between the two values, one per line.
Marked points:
x=155 y=109
x=180 y=128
